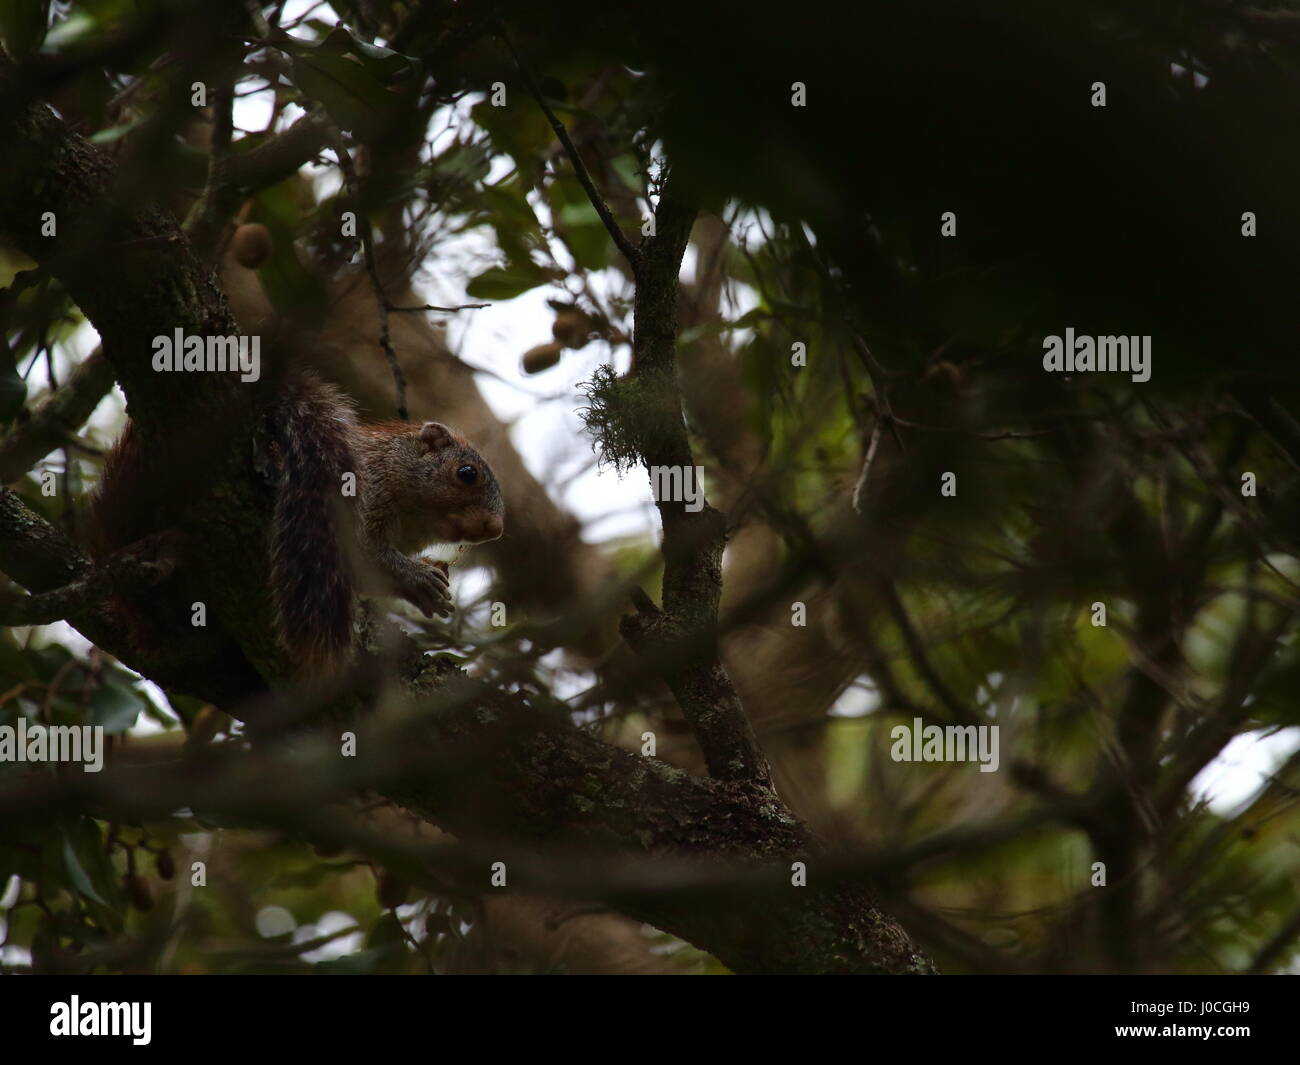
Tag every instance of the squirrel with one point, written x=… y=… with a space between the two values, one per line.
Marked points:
x=332 y=536
x=416 y=485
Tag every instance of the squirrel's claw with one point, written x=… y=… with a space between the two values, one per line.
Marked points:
x=431 y=594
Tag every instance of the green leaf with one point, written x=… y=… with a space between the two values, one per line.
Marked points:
x=460 y=164
x=352 y=96
x=77 y=874
x=115 y=707
x=521 y=132
x=350 y=77
x=77 y=29
x=508 y=202
x=384 y=63
x=48 y=661
x=112 y=133
x=578 y=224
x=507 y=282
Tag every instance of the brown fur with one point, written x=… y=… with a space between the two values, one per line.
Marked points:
x=326 y=546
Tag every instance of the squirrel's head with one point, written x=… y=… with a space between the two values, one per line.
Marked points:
x=463 y=491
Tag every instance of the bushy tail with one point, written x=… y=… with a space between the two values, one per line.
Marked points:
x=310 y=569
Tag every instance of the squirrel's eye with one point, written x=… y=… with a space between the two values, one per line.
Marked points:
x=468 y=474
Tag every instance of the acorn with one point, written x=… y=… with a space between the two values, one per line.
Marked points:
x=542 y=357
x=571 y=328
x=251 y=245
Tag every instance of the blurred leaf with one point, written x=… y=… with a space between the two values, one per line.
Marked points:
x=13 y=389
x=350 y=77
x=78 y=28
x=578 y=224
x=314 y=875
x=507 y=282
x=112 y=133
x=382 y=63
x=77 y=874
x=115 y=707
x=351 y=94
x=22 y=24
x=12 y=263
x=49 y=661
x=520 y=132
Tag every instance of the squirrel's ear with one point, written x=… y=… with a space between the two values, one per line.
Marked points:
x=436 y=436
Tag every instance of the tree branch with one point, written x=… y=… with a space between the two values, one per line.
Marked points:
x=682 y=639
x=56 y=419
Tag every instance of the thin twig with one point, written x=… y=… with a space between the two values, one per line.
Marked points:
x=208 y=216
x=368 y=254
x=880 y=385
x=444 y=310
x=630 y=252
x=860 y=487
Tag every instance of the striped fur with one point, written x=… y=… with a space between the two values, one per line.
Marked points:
x=310 y=568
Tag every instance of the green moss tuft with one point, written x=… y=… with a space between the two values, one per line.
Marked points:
x=628 y=416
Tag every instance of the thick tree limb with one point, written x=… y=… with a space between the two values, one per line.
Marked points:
x=36 y=555
x=526 y=786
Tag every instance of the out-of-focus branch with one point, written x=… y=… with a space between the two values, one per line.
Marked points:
x=37 y=556
x=282 y=155
x=82 y=597
x=207 y=218
x=56 y=419
x=366 y=236
x=473 y=760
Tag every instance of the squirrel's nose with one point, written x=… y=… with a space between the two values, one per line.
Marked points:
x=487 y=527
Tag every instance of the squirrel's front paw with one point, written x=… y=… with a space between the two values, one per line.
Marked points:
x=429 y=590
